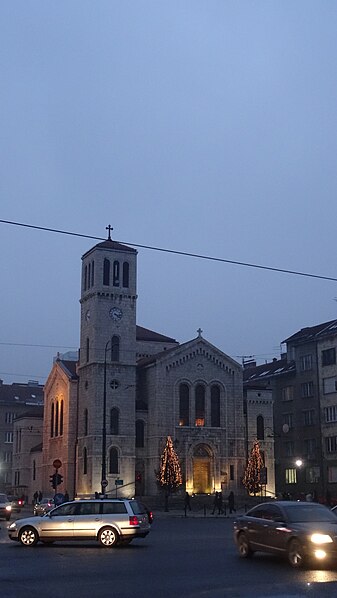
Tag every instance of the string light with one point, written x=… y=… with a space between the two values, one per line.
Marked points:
x=251 y=479
x=169 y=475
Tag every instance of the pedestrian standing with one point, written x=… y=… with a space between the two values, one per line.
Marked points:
x=231 y=502
x=187 y=502
x=220 y=503
x=215 y=503
x=35 y=497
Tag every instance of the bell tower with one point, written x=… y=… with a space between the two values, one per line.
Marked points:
x=107 y=368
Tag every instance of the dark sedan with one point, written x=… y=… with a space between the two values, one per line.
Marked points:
x=301 y=531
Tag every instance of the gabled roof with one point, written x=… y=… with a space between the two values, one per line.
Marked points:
x=278 y=367
x=144 y=334
x=69 y=367
x=312 y=333
x=112 y=245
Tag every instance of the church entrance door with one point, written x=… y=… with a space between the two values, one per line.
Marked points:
x=202 y=478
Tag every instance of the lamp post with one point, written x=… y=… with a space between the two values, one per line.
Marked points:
x=299 y=464
x=103 y=477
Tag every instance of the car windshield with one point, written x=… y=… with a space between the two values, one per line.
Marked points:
x=309 y=513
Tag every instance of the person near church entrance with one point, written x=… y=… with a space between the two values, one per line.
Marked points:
x=35 y=497
x=187 y=502
x=231 y=502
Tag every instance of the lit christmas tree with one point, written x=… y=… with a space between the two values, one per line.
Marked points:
x=169 y=475
x=251 y=479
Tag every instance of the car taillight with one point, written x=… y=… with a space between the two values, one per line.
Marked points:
x=133 y=520
x=20 y=502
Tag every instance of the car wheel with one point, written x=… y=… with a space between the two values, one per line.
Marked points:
x=245 y=550
x=28 y=536
x=295 y=554
x=108 y=537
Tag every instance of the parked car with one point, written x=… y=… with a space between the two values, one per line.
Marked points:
x=108 y=521
x=16 y=503
x=5 y=507
x=42 y=507
x=300 y=531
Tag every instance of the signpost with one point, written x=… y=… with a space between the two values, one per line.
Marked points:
x=118 y=482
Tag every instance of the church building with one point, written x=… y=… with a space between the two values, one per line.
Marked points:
x=107 y=417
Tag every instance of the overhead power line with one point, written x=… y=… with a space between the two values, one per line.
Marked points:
x=176 y=252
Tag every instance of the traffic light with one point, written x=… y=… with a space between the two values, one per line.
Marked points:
x=59 y=479
x=52 y=481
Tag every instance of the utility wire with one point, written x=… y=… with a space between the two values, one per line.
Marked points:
x=176 y=252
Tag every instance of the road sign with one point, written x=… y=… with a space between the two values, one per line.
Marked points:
x=57 y=463
x=119 y=482
x=104 y=483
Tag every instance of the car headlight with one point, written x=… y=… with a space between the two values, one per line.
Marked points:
x=321 y=539
x=12 y=525
x=8 y=508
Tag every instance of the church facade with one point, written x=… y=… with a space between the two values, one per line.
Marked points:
x=107 y=418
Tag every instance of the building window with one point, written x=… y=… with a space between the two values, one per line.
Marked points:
x=125 y=275
x=113 y=460
x=307 y=390
x=89 y=275
x=106 y=272
x=115 y=348
x=332 y=474
x=8 y=456
x=260 y=427
x=61 y=418
x=85 y=422
x=116 y=274
x=200 y=405
x=215 y=406
x=114 y=421
x=330 y=414
x=85 y=277
x=310 y=447
x=52 y=420
x=9 y=417
x=139 y=433
x=331 y=444
x=184 y=405
x=289 y=449
x=92 y=273
x=57 y=418
x=309 y=417
x=329 y=356
x=287 y=418
x=329 y=385
x=291 y=475
x=312 y=475
x=85 y=461
x=305 y=363
x=87 y=350
x=231 y=472
x=287 y=393
x=34 y=470
x=9 y=437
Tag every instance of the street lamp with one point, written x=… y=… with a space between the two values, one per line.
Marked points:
x=298 y=464
x=103 y=477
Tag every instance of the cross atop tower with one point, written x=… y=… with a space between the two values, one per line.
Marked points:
x=109 y=229
x=199 y=331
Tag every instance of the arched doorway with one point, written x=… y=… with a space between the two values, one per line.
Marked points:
x=202 y=469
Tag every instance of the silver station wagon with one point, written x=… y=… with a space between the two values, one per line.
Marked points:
x=109 y=521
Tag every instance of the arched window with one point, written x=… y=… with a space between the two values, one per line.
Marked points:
x=113 y=460
x=85 y=277
x=85 y=460
x=125 y=275
x=215 y=406
x=89 y=276
x=61 y=418
x=57 y=418
x=200 y=405
x=87 y=350
x=139 y=433
x=115 y=348
x=114 y=421
x=184 y=405
x=106 y=272
x=52 y=420
x=34 y=470
x=92 y=273
x=260 y=427
x=85 y=422
x=116 y=274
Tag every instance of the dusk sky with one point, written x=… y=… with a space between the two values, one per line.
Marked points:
x=206 y=127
